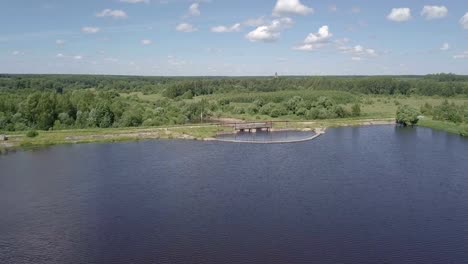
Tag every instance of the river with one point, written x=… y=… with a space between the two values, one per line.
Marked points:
x=377 y=194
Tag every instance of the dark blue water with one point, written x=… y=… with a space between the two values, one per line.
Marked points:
x=354 y=195
x=267 y=137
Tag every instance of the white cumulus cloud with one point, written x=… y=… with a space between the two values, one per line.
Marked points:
x=223 y=29
x=315 y=41
x=323 y=35
x=270 y=32
x=445 y=46
x=116 y=14
x=464 y=21
x=60 y=55
x=146 y=42
x=90 y=30
x=291 y=7
x=60 y=42
x=434 y=12
x=358 y=52
x=400 y=14
x=307 y=47
x=194 y=9
x=78 y=57
x=185 y=27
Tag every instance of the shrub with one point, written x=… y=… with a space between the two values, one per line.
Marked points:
x=324 y=102
x=187 y=95
x=448 y=112
x=356 y=110
x=253 y=109
x=224 y=101
x=426 y=109
x=239 y=110
x=259 y=103
x=312 y=113
x=302 y=111
x=20 y=126
x=325 y=114
x=278 y=110
x=266 y=109
x=464 y=131
x=32 y=133
x=340 y=111
x=407 y=115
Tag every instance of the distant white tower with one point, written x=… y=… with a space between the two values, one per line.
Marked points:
x=276 y=75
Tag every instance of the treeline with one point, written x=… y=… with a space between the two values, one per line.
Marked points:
x=47 y=102
x=45 y=110
x=321 y=108
x=84 y=109
x=187 y=87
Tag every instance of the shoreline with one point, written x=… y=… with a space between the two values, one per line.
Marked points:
x=202 y=132
x=316 y=133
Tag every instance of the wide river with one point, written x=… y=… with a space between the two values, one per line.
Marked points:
x=354 y=195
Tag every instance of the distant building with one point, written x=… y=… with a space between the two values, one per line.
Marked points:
x=276 y=75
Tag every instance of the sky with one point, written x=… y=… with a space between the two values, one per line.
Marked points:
x=234 y=38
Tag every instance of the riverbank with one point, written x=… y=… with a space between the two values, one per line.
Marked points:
x=104 y=135
x=190 y=132
x=204 y=132
x=444 y=126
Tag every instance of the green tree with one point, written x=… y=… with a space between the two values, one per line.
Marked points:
x=132 y=117
x=65 y=119
x=32 y=133
x=3 y=120
x=278 y=110
x=81 y=119
x=293 y=104
x=356 y=110
x=407 y=115
x=448 y=112
x=267 y=108
x=464 y=130
x=45 y=111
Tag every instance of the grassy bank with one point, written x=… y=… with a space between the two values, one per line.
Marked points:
x=195 y=132
x=76 y=136
x=18 y=141
x=442 y=126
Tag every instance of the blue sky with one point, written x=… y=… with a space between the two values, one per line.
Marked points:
x=225 y=37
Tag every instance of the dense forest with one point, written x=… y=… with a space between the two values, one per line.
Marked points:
x=73 y=101
x=172 y=87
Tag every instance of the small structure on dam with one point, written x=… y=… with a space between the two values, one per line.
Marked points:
x=252 y=127
x=263 y=132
